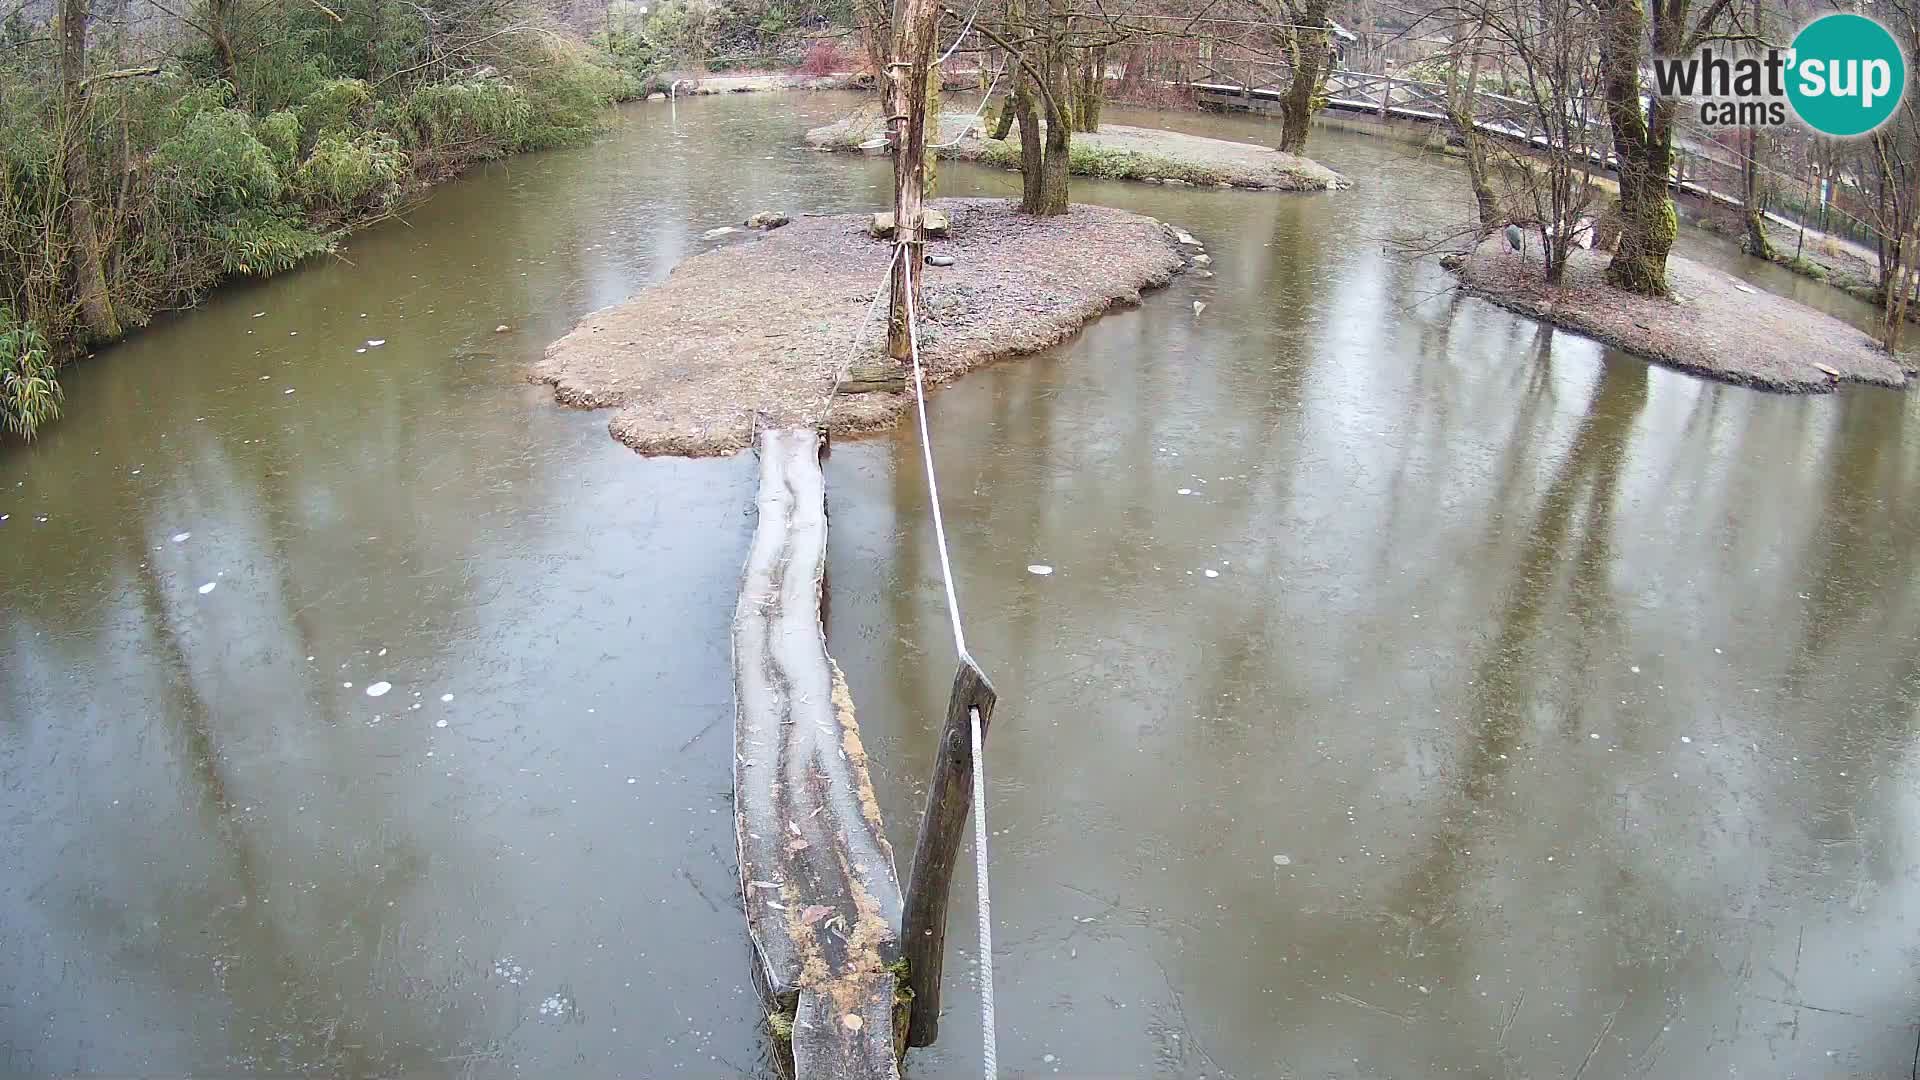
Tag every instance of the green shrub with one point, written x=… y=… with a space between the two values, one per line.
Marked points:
x=344 y=173
x=336 y=105
x=29 y=395
x=469 y=120
x=568 y=100
x=636 y=63
x=264 y=242
x=217 y=163
x=280 y=134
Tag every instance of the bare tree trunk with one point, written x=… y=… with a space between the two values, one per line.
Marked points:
x=89 y=273
x=908 y=75
x=1310 y=63
x=377 y=32
x=220 y=36
x=1756 y=222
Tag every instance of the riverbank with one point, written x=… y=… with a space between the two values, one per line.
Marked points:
x=1714 y=326
x=1115 y=152
x=758 y=332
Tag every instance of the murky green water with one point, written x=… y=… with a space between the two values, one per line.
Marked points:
x=1546 y=713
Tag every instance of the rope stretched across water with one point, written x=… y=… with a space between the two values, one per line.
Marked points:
x=984 y=903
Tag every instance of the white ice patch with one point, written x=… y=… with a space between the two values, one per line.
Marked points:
x=374 y=343
x=1039 y=569
x=209 y=587
x=446 y=697
x=1184 y=491
x=1213 y=573
x=379 y=689
x=440 y=723
x=1283 y=860
x=178 y=538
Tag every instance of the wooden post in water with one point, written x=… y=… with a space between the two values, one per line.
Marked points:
x=907 y=90
x=949 y=798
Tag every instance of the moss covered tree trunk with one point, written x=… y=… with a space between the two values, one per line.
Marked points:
x=1054 y=185
x=1310 y=55
x=1032 y=150
x=76 y=174
x=1751 y=200
x=1899 y=285
x=1003 y=118
x=1089 y=89
x=1460 y=116
x=1643 y=148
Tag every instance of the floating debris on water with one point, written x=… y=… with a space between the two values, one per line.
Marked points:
x=209 y=587
x=1213 y=573
x=178 y=538
x=1039 y=569
x=1283 y=860
x=1184 y=491
x=374 y=343
x=379 y=689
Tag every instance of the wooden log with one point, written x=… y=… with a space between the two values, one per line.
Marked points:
x=949 y=799
x=816 y=872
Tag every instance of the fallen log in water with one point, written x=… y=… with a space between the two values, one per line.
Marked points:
x=816 y=872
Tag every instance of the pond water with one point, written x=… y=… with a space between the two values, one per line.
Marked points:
x=1418 y=691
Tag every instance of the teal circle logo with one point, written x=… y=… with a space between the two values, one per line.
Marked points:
x=1847 y=75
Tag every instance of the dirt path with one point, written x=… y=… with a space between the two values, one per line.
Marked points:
x=763 y=327
x=1715 y=325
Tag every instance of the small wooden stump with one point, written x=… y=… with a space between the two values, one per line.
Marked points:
x=816 y=872
x=873 y=378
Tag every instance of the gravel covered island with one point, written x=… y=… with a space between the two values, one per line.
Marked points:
x=761 y=331
x=1115 y=152
x=1714 y=325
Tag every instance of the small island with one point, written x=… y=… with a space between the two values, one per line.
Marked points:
x=1115 y=152
x=767 y=331
x=1711 y=324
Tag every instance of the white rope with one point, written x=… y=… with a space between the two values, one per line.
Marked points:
x=968 y=126
x=926 y=452
x=990 y=1054
x=853 y=347
x=977 y=4
x=984 y=906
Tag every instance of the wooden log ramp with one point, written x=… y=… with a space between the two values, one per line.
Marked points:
x=817 y=878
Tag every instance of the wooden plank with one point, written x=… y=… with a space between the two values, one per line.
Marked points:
x=816 y=872
x=942 y=828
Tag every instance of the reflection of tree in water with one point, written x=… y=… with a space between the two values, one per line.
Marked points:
x=1860 y=552
x=280 y=1003
x=1588 y=475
